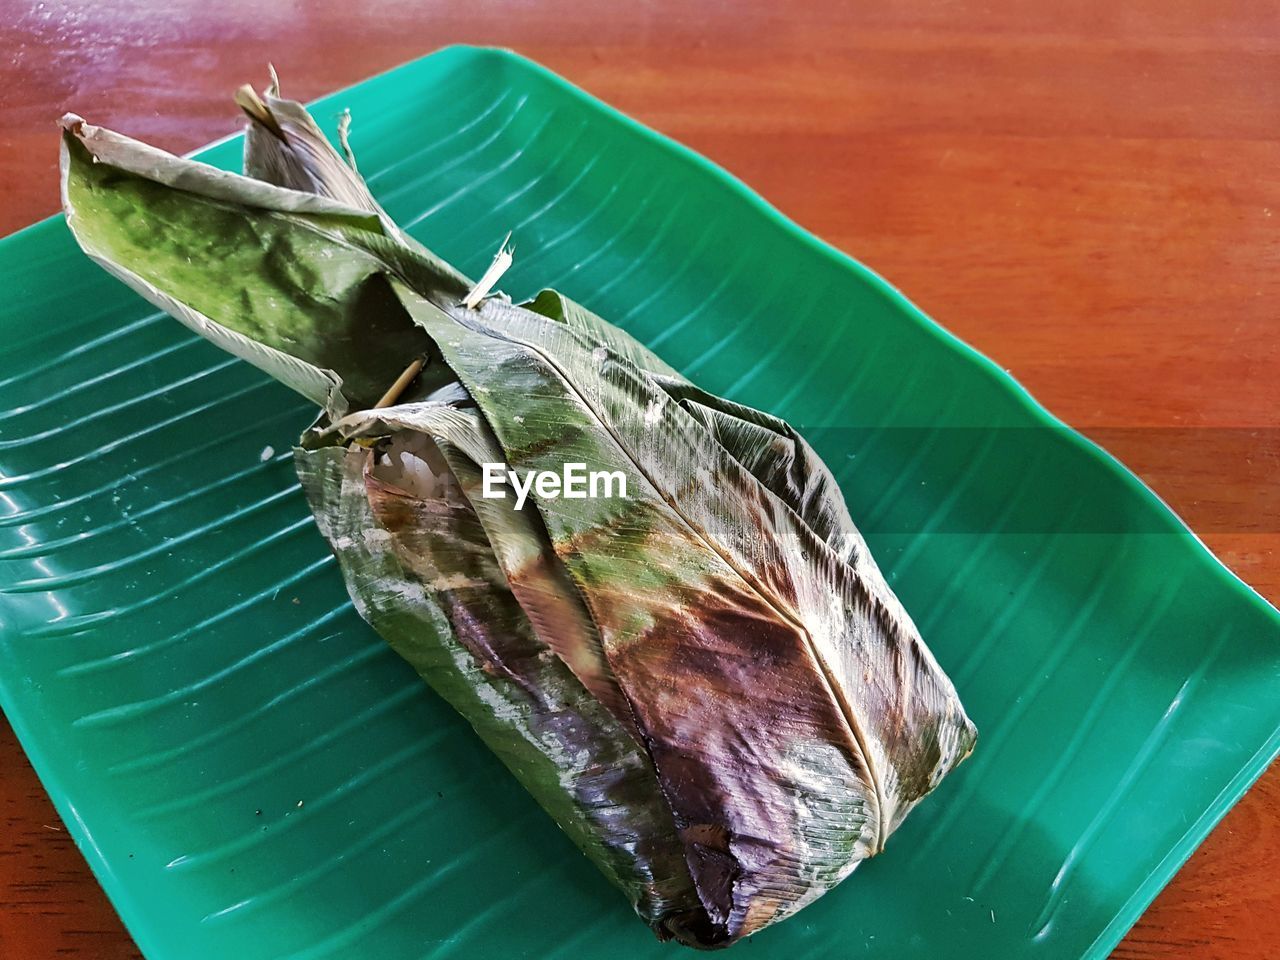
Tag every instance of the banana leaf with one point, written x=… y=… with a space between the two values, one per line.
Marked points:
x=706 y=681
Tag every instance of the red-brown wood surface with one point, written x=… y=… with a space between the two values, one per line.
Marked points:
x=1087 y=191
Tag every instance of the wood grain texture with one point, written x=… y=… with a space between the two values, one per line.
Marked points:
x=1089 y=192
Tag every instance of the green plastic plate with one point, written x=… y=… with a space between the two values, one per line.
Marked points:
x=253 y=774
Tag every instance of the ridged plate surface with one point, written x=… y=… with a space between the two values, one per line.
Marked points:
x=252 y=774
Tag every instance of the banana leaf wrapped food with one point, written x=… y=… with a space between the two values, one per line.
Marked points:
x=699 y=672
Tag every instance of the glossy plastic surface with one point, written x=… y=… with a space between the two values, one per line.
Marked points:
x=252 y=774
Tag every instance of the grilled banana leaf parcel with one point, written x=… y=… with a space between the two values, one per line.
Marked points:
x=699 y=672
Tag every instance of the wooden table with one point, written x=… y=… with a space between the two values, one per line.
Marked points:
x=1088 y=192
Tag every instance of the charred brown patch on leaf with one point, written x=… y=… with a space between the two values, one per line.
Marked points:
x=725 y=691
